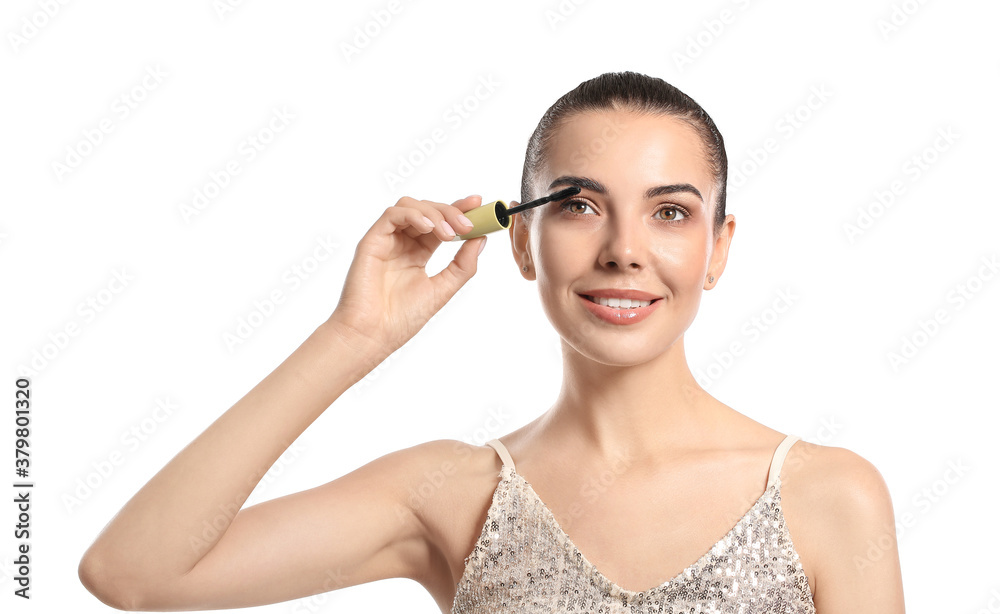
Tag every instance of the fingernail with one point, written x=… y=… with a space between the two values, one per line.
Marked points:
x=428 y=221
x=447 y=227
x=465 y=220
x=482 y=245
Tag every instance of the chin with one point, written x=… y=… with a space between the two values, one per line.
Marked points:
x=614 y=348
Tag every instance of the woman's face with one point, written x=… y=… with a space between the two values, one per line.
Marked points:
x=642 y=221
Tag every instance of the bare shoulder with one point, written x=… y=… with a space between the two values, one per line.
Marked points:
x=444 y=469
x=839 y=512
x=434 y=477
x=448 y=488
x=834 y=482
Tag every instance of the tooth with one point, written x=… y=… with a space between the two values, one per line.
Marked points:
x=619 y=303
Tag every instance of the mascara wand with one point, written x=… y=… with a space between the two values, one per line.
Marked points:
x=496 y=216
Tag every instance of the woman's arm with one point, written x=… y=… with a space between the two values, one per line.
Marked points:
x=182 y=542
x=859 y=572
x=179 y=523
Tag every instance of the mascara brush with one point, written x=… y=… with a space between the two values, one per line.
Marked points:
x=496 y=216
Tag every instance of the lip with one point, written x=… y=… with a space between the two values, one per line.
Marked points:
x=620 y=316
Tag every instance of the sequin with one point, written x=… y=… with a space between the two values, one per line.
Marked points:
x=524 y=562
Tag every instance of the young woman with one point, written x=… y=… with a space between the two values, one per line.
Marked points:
x=636 y=491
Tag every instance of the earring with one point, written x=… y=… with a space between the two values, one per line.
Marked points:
x=525 y=268
x=711 y=279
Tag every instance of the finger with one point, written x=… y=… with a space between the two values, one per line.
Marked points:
x=439 y=213
x=461 y=268
x=452 y=217
x=408 y=219
x=455 y=212
x=467 y=203
x=448 y=219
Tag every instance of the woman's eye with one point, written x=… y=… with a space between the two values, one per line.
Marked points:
x=566 y=205
x=675 y=213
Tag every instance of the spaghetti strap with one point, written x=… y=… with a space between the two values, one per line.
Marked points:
x=779 y=458
x=502 y=451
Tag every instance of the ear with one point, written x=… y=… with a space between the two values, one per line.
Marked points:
x=520 y=244
x=720 y=251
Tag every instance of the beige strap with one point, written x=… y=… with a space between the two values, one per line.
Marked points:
x=502 y=451
x=779 y=458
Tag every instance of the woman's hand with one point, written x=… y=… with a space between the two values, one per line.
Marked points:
x=387 y=295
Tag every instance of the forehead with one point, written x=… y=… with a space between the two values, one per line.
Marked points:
x=626 y=150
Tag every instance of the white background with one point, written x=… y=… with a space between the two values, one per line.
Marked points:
x=821 y=369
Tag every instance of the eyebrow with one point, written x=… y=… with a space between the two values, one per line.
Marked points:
x=586 y=183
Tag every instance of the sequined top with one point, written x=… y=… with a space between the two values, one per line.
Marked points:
x=524 y=562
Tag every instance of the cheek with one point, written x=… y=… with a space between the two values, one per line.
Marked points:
x=678 y=250
x=560 y=265
x=679 y=259
x=559 y=254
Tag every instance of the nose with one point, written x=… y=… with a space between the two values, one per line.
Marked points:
x=625 y=245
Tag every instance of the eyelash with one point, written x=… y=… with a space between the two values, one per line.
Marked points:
x=687 y=215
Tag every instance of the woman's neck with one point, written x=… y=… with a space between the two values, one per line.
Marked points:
x=640 y=411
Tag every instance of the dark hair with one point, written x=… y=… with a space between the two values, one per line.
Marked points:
x=634 y=92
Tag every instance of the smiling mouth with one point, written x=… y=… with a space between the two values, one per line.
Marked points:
x=616 y=303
